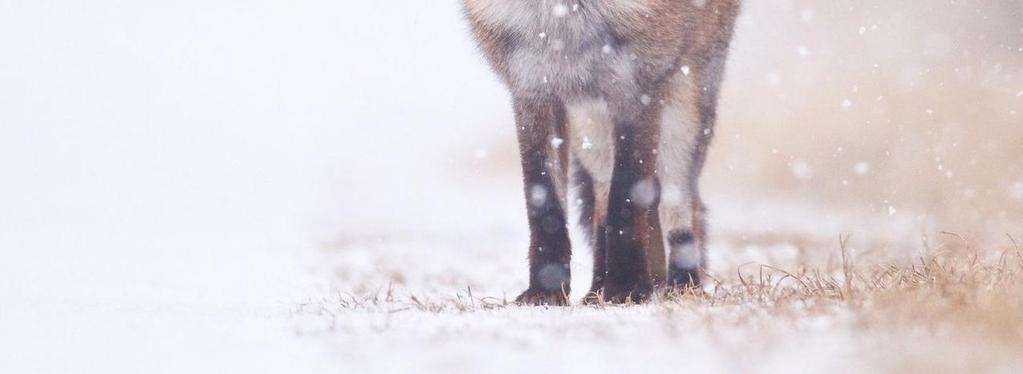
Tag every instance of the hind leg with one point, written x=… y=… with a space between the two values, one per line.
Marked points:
x=684 y=138
x=593 y=159
x=592 y=220
x=655 y=246
x=633 y=196
x=592 y=197
x=681 y=216
x=688 y=127
x=686 y=243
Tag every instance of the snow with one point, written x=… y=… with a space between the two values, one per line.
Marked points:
x=862 y=168
x=556 y=142
x=559 y=10
x=1016 y=191
x=198 y=186
x=802 y=170
x=645 y=99
x=806 y=15
x=538 y=195
x=587 y=144
x=170 y=169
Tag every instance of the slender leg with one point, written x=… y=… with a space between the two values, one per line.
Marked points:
x=588 y=222
x=593 y=221
x=544 y=174
x=691 y=109
x=655 y=243
x=684 y=225
x=682 y=150
x=634 y=193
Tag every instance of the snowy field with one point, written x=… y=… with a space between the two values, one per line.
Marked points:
x=331 y=187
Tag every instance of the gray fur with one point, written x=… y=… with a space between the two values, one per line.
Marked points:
x=648 y=69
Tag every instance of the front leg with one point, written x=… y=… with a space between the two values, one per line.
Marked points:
x=544 y=170
x=635 y=193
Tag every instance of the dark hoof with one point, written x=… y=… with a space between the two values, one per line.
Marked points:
x=543 y=297
x=684 y=279
x=629 y=294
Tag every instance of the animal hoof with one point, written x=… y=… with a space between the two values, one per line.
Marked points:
x=630 y=294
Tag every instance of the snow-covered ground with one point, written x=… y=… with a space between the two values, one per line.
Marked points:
x=226 y=186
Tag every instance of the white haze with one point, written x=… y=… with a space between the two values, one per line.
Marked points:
x=171 y=171
x=166 y=166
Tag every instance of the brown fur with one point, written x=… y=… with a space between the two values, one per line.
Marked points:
x=639 y=64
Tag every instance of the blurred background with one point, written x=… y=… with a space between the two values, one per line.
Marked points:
x=902 y=107
x=875 y=113
x=188 y=160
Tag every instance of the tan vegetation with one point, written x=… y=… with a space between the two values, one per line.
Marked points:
x=957 y=308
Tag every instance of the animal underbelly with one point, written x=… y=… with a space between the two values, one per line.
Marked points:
x=537 y=69
x=560 y=53
x=592 y=135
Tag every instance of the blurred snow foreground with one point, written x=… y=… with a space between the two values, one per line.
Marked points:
x=319 y=186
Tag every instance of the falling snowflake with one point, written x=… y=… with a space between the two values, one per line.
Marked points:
x=861 y=168
x=806 y=15
x=560 y=10
x=556 y=142
x=802 y=170
x=587 y=144
x=645 y=99
x=538 y=195
x=1016 y=191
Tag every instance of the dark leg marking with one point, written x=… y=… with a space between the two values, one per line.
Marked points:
x=628 y=228
x=686 y=260
x=550 y=251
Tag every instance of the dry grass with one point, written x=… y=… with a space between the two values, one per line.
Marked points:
x=965 y=279
x=958 y=309
x=900 y=124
